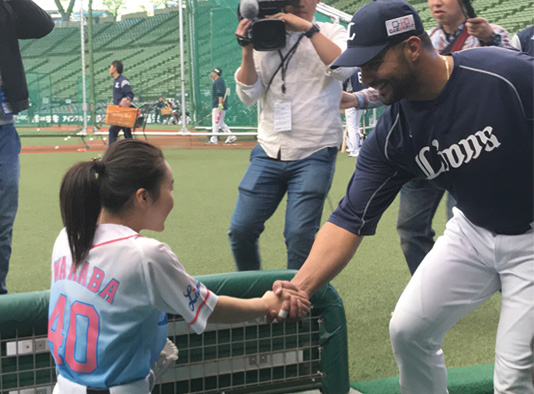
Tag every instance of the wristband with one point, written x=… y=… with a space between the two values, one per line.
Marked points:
x=314 y=29
x=283 y=314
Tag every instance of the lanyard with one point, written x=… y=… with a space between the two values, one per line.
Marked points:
x=284 y=63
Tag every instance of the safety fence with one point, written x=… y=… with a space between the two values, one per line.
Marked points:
x=238 y=358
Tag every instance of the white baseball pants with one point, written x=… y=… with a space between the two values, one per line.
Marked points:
x=353 y=117
x=215 y=126
x=144 y=386
x=467 y=265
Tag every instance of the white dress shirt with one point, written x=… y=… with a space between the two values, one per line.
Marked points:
x=313 y=90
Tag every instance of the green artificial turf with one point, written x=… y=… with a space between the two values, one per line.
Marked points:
x=477 y=379
x=205 y=192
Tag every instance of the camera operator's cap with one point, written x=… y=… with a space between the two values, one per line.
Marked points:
x=374 y=27
x=217 y=70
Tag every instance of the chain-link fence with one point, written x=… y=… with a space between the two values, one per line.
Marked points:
x=149 y=47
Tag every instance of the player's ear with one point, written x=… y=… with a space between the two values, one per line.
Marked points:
x=412 y=48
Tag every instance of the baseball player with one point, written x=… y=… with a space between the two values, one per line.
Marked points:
x=353 y=116
x=111 y=287
x=419 y=199
x=465 y=123
x=524 y=40
x=219 y=107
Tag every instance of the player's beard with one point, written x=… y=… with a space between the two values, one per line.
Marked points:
x=397 y=87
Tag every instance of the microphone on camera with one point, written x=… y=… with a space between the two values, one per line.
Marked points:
x=249 y=9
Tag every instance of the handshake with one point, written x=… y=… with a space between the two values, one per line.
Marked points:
x=286 y=301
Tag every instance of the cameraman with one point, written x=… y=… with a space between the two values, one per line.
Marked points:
x=298 y=133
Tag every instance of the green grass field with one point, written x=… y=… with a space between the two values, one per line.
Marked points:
x=205 y=191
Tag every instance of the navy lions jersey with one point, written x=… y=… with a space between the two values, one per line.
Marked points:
x=475 y=140
x=354 y=83
x=121 y=89
x=218 y=90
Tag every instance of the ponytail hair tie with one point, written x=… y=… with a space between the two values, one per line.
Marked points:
x=98 y=166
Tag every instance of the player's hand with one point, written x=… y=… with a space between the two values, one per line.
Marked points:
x=125 y=102
x=287 y=297
x=348 y=100
x=221 y=107
x=479 y=28
x=296 y=307
x=293 y=22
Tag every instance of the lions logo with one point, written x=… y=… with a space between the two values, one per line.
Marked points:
x=193 y=294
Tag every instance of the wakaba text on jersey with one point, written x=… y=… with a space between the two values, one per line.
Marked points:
x=454 y=156
x=95 y=283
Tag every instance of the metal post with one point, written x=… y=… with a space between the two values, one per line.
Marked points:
x=192 y=61
x=182 y=71
x=84 y=105
x=92 y=97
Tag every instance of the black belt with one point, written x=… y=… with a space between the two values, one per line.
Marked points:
x=97 y=391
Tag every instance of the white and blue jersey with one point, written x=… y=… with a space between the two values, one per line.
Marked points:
x=107 y=319
x=475 y=140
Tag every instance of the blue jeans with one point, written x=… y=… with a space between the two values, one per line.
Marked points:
x=9 y=195
x=419 y=200
x=263 y=186
x=114 y=133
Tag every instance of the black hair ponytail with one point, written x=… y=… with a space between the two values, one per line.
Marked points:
x=79 y=200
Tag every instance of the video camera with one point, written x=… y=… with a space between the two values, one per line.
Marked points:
x=265 y=34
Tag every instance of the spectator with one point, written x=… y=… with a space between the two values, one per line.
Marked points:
x=122 y=96
x=21 y=19
x=219 y=104
x=419 y=199
x=524 y=40
x=441 y=125
x=299 y=133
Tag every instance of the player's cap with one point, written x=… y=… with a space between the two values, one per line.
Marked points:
x=217 y=70
x=375 y=26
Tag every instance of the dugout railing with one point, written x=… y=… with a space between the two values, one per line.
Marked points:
x=238 y=358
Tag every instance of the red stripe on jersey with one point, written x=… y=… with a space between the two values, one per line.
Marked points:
x=200 y=307
x=115 y=240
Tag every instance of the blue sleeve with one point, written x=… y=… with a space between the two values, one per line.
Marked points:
x=374 y=184
x=525 y=86
x=127 y=91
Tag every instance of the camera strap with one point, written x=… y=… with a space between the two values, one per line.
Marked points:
x=284 y=63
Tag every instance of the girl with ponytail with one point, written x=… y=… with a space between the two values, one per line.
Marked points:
x=112 y=287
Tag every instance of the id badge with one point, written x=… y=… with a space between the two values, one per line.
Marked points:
x=282 y=116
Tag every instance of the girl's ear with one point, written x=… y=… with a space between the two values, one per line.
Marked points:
x=141 y=198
